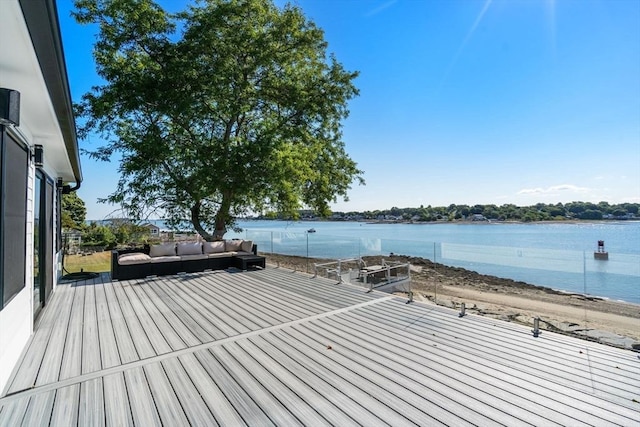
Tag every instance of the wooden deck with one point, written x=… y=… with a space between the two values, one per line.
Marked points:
x=274 y=347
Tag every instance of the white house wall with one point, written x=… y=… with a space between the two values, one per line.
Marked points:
x=16 y=318
x=19 y=70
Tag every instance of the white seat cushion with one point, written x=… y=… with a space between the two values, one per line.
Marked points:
x=188 y=257
x=133 y=258
x=155 y=260
x=221 y=255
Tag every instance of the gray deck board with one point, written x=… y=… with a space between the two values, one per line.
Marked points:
x=266 y=372
x=65 y=406
x=315 y=384
x=216 y=323
x=287 y=302
x=132 y=325
x=49 y=326
x=126 y=348
x=109 y=354
x=67 y=359
x=318 y=290
x=194 y=405
x=507 y=383
x=223 y=411
x=186 y=336
x=575 y=373
x=39 y=410
x=156 y=337
x=166 y=338
x=311 y=356
x=193 y=320
x=441 y=401
x=256 y=307
x=273 y=347
x=237 y=396
x=444 y=376
x=13 y=413
x=92 y=400
x=168 y=406
x=50 y=367
x=116 y=404
x=91 y=358
x=143 y=407
x=226 y=303
x=277 y=412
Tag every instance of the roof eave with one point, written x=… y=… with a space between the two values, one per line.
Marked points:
x=42 y=21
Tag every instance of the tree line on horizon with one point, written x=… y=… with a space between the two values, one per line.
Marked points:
x=506 y=212
x=123 y=231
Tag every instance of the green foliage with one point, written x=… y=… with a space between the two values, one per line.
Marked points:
x=98 y=235
x=510 y=212
x=74 y=212
x=128 y=233
x=240 y=110
x=120 y=232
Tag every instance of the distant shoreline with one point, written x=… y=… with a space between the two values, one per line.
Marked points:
x=457 y=222
x=492 y=222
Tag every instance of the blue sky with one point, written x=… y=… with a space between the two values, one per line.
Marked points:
x=464 y=101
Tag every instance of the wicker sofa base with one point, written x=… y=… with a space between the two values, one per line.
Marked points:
x=139 y=271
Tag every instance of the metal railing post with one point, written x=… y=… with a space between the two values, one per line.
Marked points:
x=536 y=327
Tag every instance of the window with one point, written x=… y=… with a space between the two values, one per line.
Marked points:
x=14 y=168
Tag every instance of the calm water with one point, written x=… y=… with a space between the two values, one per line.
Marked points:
x=558 y=255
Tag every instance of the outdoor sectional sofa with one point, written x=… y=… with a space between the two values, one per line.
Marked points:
x=173 y=258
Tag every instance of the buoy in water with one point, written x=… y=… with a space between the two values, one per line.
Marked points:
x=601 y=254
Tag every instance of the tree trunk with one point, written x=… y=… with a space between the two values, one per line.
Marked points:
x=195 y=220
x=222 y=217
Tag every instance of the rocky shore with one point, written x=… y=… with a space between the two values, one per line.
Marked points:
x=609 y=322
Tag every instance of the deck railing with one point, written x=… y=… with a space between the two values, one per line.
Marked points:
x=574 y=271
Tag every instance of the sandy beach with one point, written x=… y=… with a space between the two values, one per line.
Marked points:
x=611 y=322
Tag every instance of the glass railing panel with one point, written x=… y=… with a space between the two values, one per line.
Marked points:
x=570 y=271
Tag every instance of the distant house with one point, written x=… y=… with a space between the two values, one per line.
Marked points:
x=38 y=154
x=154 y=230
x=477 y=217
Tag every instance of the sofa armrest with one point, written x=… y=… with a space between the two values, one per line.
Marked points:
x=114 y=264
x=254 y=249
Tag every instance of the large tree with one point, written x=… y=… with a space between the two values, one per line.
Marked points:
x=229 y=106
x=74 y=211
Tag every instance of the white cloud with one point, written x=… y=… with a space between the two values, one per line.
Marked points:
x=380 y=8
x=555 y=189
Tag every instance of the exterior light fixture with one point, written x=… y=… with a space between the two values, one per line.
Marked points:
x=9 y=107
x=38 y=156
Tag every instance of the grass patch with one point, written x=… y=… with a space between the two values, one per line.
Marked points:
x=97 y=262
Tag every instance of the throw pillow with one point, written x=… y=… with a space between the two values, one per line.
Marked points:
x=166 y=249
x=191 y=248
